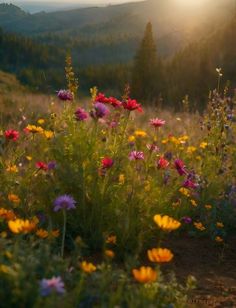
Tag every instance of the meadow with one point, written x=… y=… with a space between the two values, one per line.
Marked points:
x=96 y=194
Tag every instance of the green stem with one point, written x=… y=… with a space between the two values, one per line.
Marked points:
x=63 y=233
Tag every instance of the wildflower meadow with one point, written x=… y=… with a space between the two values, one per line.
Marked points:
x=92 y=194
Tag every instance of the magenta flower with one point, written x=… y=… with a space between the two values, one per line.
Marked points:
x=48 y=286
x=180 y=167
x=190 y=184
x=157 y=122
x=107 y=163
x=135 y=155
x=100 y=111
x=81 y=114
x=65 y=95
x=187 y=220
x=64 y=202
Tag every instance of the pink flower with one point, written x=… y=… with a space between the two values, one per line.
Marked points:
x=81 y=114
x=107 y=163
x=190 y=184
x=131 y=105
x=65 y=95
x=180 y=167
x=41 y=166
x=162 y=163
x=135 y=155
x=157 y=122
x=153 y=148
x=11 y=134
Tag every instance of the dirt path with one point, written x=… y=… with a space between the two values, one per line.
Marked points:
x=212 y=266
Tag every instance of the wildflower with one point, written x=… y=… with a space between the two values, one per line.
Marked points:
x=51 y=165
x=191 y=150
x=187 y=220
x=131 y=105
x=140 y=133
x=184 y=191
x=153 y=148
x=53 y=285
x=203 y=145
x=121 y=179
x=219 y=239
x=100 y=111
x=41 y=121
x=11 y=134
x=135 y=155
x=180 y=167
x=42 y=233
x=21 y=226
x=13 y=169
x=190 y=184
x=81 y=115
x=101 y=98
x=166 y=223
x=13 y=198
x=208 y=207
x=48 y=134
x=107 y=163
x=160 y=255
x=145 y=274
x=219 y=225
x=109 y=253
x=199 y=226
x=41 y=166
x=88 y=267
x=193 y=202
x=157 y=122
x=64 y=202
x=162 y=163
x=34 y=129
x=54 y=234
x=29 y=158
x=65 y=95
x=111 y=239
x=7 y=214
x=131 y=139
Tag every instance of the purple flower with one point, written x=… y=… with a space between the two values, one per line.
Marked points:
x=52 y=165
x=81 y=114
x=64 y=202
x=65 y=95
x=135 y=155
x=100 y=111
x=187 y=220
x=48 y=286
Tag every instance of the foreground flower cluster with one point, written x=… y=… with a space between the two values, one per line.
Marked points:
x=86 y=186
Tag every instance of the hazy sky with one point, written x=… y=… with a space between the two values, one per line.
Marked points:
x=75 y=1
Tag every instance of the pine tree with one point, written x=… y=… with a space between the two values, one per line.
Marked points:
x=147 y=71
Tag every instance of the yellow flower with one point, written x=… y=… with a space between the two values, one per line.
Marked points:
x=219 y=239
x=193 y=202
x=14 y=198
x=42 y=233
x=160 y=255
x=184 y=191
x=199 y=226
x=140 y=133
x=13 y=169
x=145 y=274
x=198 y=157
x=111 y=239
x=131 y=138
x=88 y=267
x=164 y=141
x=41 y=121
x=121 y=179
x=109 y=253
x=7 y=214
x=166 y=223
x=191 y=150
x=21 y=226
x=29 y=158
x=208 y=207
x=220 y=225
x=34 y=129
x=203 y=145
x=48 y=134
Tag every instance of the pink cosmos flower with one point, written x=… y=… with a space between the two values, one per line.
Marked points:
x=157 y=122
x=11 y=134
x=135 y=155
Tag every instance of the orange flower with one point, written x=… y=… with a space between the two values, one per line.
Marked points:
x=166 y=223
x=14 y=198
x=160 y=255
x=88 y=267
x=21 y=226
x=110 y=253
x=145 y=274
x=7 y=214
x=111 y=239
x=199 y=226
x=219 y=239
x=42 y=233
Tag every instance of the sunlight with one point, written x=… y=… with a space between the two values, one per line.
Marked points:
x=191 y=2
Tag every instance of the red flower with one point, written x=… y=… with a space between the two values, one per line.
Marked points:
x=101 y=98
x=11 y=134
x=41 y=166
x=180 y=167
x=162 y=163
x=131 y=105
x=107 y=163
